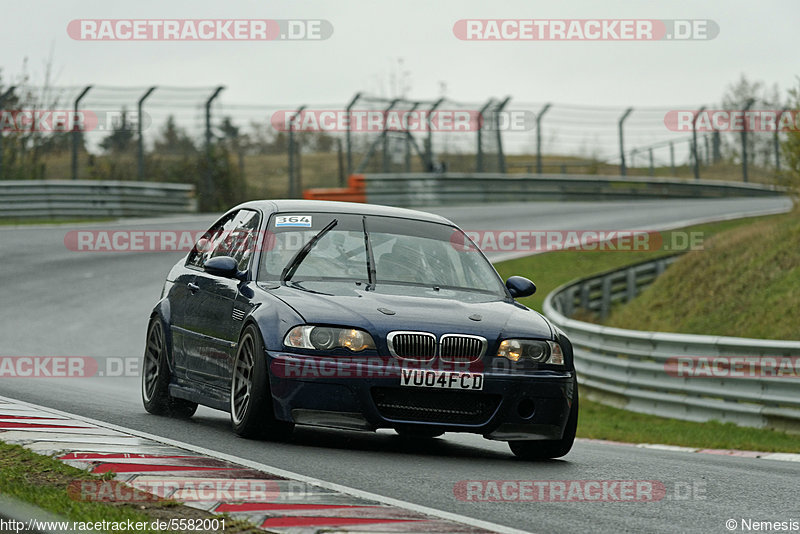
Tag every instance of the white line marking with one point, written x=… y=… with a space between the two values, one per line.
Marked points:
x=289 y=474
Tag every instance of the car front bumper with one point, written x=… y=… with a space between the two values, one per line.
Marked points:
x=517 y=406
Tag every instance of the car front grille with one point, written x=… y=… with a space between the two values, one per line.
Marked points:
x=460 y=348
x=446 y=407
x=412 y=345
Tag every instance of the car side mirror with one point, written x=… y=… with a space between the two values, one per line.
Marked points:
x=520 y=287
x=224 y=266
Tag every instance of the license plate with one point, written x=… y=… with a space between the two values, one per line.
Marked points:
x=427 y=378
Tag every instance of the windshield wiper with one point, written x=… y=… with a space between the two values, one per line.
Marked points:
x=370 y=258
x=292 y=266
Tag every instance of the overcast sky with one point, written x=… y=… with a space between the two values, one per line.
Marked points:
x=759 y=39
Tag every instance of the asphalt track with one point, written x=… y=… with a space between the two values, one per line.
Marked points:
x=58 y=302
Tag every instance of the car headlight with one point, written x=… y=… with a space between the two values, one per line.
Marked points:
x=328 y=338
x=529 y=350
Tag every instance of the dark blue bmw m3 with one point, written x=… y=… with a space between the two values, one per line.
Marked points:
x=360 y=317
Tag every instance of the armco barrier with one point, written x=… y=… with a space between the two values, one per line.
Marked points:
x=59 y=199
x=429 y=189
x=631 y=369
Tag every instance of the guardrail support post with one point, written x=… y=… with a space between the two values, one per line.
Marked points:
x=347 y=134
x=3 y=99
x=539 y=137
x=76 y=137
x=139 y=137
x=694 y=143
x=747 y=105
x=585 y=296
x=622 y=169
x=630 y=285
x=605 y=302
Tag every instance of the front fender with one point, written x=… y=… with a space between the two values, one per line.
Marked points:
x=274 y=319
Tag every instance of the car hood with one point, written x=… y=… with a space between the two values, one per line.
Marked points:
x=412 y=308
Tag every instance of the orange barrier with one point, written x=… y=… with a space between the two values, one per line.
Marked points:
x=356 y=191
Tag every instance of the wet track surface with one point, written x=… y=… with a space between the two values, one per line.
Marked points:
x=57 y=302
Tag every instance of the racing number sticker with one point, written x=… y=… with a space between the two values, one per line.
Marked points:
x=283 y=221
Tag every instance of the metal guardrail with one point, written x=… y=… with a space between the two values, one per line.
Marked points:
x=639 y=371
x=59 y=199
x=428 y=189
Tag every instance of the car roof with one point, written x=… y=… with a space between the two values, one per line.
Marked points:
x=329 y=206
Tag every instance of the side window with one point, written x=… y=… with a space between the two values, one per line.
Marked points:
x=211 y=240
x=242 y=241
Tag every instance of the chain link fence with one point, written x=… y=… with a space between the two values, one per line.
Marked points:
x=232 y=151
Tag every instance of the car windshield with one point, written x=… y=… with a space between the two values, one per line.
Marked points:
x=345 y=247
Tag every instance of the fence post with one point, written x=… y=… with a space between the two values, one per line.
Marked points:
x=139 y=138
x=652 y=165
x=3 y=99
x=694 y=143
x=747 y=105
x=347 y=134
x=294 y=163
x=340 y=161
x=429 y=138
x=209 y=161
x=408 y=141
x=776 y=142
x=501 y=158
x=385 y=134
x=672 y=158
x=75 y=133
x=622 y=169
x=539 y=137
x=479 y=155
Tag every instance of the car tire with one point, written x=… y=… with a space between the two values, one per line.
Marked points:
x=552 y=448
x=252 y=413
x=418 y=432
x=156 y=377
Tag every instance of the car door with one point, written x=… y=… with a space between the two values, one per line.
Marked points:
x=215 y=310
x=181 y=295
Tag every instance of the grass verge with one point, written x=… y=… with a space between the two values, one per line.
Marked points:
x=745 y=283
x=44 y=482
x=598 y=421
